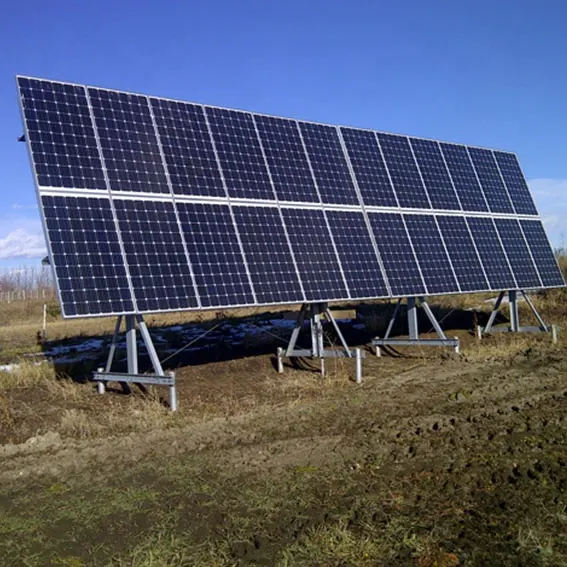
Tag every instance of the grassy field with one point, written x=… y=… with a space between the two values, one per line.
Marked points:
x=436 y=460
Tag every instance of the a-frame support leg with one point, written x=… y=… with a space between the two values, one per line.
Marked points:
x=515 y=326
x=413 y=328
x=315 y=312
x=104 y=375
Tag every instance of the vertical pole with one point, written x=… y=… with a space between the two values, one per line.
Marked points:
x=280 y=354
x=44 y=328
x=554 y=334
x=492 y=318
x=172 y=394
x=149 y=344
x=113 y=344
x=131 y=347
x=514 y=315
x=358 y=355
x=412 y=319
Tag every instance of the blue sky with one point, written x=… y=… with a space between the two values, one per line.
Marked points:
x=476 y=71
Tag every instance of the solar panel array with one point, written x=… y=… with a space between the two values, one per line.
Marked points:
x=156 y=205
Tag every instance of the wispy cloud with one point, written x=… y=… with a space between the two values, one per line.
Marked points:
x=22 y=243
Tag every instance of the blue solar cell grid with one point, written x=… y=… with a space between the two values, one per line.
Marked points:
x=518 y=254
x=128 y=141
x=431 y=255
x=357 y=254
x=464 y=178
x=369 y=168
x=328 y=163
x=542 y=253
x=86 y=254
x=240 y=154
x=462 y=253
x=490 y=180
x=491 y=254
x=215 y=255
x=61 y=135
x=516 y=183
x=286 y=159
x=268 y=256
x=314 y=254
x=435 y=175
x=403 y=171
x=156 y=259
x=187 y=148
x=397 y=256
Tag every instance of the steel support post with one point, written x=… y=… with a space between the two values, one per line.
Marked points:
x=541 y=322
x=113 y=344
x=412 y=319
x=494 y=313
x=131 y=344
x=514 y=314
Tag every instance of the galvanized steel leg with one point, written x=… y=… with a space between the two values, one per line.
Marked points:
x=358 y=354
x=393 y=319
x=149 y=344
x=330 y=317
x=514 y=315
x=431 y=317
x=412 y=319
x=541 y=322
x=131 y=346
x=297 y=329
x=494 y=312
x=110 y=359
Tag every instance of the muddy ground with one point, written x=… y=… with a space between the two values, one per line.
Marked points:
x=436 y=459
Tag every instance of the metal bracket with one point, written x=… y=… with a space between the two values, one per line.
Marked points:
x=413 y=328
x=104 y=375
x=314 y=311
x=515 y=326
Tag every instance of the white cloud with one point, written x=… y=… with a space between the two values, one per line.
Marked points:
x=551 y=200
x=22 y=243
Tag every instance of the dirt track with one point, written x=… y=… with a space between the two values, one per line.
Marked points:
x=445 y=461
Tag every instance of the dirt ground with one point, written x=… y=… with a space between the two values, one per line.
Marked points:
x=436 y=459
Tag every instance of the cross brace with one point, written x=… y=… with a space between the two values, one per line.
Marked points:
x=413 y=328
x=515 y=326
x=104 y=375
x=314 y=311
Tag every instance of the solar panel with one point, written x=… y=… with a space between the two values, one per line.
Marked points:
x=156 y=205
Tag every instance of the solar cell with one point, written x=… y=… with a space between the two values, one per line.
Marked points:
x=490 y=180
x=156 y=259
x=462 y=253
x=314 y=255
x=60 y=135
x=215 y=255
x=518 y=253
x=369 y=168
x=357 y=254
x=128 y=141
x=86 y=255
x=187 y=148
x=403 y=171
x=328 y=162
x=491 y=253
x=286 y=159
x=240 y=155
x=516 y=183
x=268 y=255
x=542 y=253
x=435 y=175
x=397 y=254
x=464 y=178
x=431 y=254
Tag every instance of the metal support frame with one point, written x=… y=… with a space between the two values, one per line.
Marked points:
x=315 y=311
x=514 y=326
x=104 y=375
x=413 y=328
